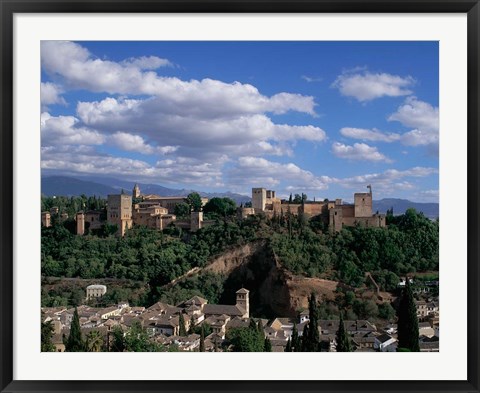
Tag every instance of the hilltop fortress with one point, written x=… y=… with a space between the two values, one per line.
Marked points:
x=334 y=213
x=157 y=212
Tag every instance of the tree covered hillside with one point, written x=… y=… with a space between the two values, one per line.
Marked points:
x=408 y=244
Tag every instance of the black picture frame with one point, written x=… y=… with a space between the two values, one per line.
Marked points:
x=8 y=8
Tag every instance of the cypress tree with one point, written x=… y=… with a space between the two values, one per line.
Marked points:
x=192 y=324
x=313 y=342
x=343 y=341
x=304 y=345
x=295 y=339
x=202 y=340
x=408 y=321
x=288 y=348
x=74 y=342
x=182 y=331
x=267 y=346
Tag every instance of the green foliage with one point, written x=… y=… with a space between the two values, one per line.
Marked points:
x=288 y=347
x=75 y=342
x=46 y=337
x=408 y=321
x=202 y=340
x=267 y=345
x=118 y=340
x=137 y=340
x=222 y=207
x=343 y=341
x=182 y=210
x=182 y=331
x=386 y=311
x=194 y=201
x=248 y=339
x=295 y=343
x=94 y=341
x=311 y=342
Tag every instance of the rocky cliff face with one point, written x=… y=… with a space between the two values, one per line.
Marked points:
x=274 y=291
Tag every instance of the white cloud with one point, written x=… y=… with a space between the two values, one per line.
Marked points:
x=78 y=159
x=65 y=130
x=369 y=135
x=50 y=94
x=130 y=142
x=367 y=86
x=252 y=171
x=79 y=69
x=146 y=62
x=358 y=152
x=423 y=117
x=81 y=159
x=311 y=79
x=389 y=181
x=201 y=135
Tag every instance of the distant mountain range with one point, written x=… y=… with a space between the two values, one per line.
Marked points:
x=100 y=186
x=399 y=206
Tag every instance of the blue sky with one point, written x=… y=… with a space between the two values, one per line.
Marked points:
x=323 y=118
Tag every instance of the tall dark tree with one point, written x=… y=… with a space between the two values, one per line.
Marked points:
x=118 y=340
x=202 y=340
x=295 y=343
x=182 y=331
x=304 y=344
x=313 y=340
x=343 y=341
x=288 y=348
x=47 y=335
x=407 y=320
x=267 y=346
x=74 y=342
x=192 y=325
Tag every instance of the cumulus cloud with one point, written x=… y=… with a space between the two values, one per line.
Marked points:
x=367 y=86
x=50 y=94
x=60 y=130
x=358 y=152
x=388 y=181
x=77 y=67
x=254 y=134
x=369 y=135
x=387 y=178
x=270 y=174
x=135 y=143
x=422 y=117
x=86 y=160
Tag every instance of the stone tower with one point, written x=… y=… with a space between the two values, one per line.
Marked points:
x=119 y=212
x=363 y=204
x=196 y=220
x=243 y=301
x=259 y=198
x=136 y=192
x=80 y=223
x=46 y=219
